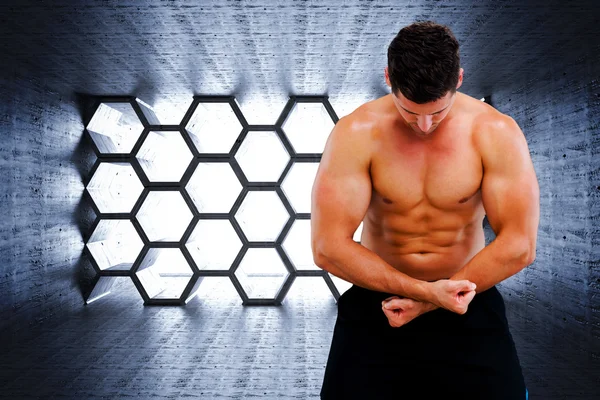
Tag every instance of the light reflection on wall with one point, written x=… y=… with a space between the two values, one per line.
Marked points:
x=233 y=213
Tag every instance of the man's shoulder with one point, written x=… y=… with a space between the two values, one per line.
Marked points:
x=492 y=129
x=366 y=118
x=488 y=122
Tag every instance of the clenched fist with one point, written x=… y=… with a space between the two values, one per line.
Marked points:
x=400 y=311
x=452 y=295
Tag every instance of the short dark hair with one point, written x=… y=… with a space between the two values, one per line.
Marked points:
x=423 y=62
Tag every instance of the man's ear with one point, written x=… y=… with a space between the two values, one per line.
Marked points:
x=387 y=77
x=460 y=78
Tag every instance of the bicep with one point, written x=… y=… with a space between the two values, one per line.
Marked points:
x=510 y=190
x=341 y=191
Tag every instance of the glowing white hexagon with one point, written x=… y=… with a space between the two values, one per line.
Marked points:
x=262 y=156
x=164 y=156
x=115 y=244
x=164 y=273
x=115 y=187
x=297 y=245
x=307 y=127
x=340 y=284
x=298 y=184
x=168 y=110
x=213 y=244
x=213 y=187
x=261 y=273
x=115 y=128
x=214 y=127
x=308 y=291
x=164 y=216
x=262 y=216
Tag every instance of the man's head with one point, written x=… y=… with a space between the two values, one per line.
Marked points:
x=424 y=73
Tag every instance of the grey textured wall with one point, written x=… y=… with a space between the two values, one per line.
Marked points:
x=537 y=59
x=555 y=300
x=43 y=155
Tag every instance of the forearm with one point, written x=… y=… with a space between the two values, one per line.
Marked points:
x=493 y=264
x=362 y=267
x=499 y=260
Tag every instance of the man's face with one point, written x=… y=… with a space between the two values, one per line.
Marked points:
x=424 y=118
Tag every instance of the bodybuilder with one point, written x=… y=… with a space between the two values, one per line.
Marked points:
x=421 y=167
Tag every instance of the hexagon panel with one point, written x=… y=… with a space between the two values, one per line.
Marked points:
x=166 y=110
x=307 y=127
x=262 y=216
x=261 y=273
x=115 y=187
x=298 y=184
x=164 y=216
x=115 y=128
x=164 y=273
x=164 y=156
x=213 y=187
x=115 y=245
x=297 y=246
x=214 y=127
x=262 y=156
x=340 y=284
x=103 y=285
x=213 y=244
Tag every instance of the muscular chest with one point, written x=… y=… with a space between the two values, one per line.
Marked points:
x=445 y=174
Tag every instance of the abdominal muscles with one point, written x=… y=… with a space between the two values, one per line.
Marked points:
x=431 y=256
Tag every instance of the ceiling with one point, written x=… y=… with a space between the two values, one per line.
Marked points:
x=164 y=52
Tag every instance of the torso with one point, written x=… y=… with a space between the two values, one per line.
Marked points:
x=425 y=216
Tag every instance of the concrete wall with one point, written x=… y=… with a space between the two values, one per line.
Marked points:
x=43 y=154
x=51 y=53
x=554 y=303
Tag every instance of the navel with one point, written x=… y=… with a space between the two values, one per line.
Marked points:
x=387 y=201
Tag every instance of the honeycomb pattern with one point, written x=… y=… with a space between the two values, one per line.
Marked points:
x=262 y=156
x=163 y=274
x=262 y=216
x=115 y=127
x=214 y=127
x=297 y=185
x=164 y=216
x=114 y=245
x=214 y=244
x=213 y=187
x=297 y=246
x=210 y=197
x=164 y=156
x=114 y=187
x=308 y=126
x=261 y=273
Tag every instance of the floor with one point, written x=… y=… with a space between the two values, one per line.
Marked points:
x=213 y=348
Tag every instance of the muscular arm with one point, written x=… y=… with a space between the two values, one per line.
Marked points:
x=510 y=195
x=340 y=198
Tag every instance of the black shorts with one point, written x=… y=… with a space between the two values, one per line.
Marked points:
x=439 y=354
